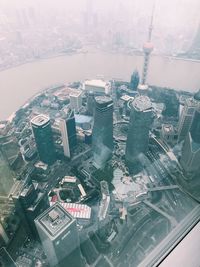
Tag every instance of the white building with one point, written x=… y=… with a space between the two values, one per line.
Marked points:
x=97 y=87
x=76 y=100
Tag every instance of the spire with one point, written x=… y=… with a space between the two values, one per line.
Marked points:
x=151 y=23
x=147 y=48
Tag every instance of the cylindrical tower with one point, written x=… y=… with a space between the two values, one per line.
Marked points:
x=138 y=133
x=43 y=137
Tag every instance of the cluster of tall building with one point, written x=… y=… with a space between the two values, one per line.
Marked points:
x=46 y=136
x=139 y=124
x=138 y=133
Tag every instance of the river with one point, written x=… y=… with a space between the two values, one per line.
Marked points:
x=20 y=83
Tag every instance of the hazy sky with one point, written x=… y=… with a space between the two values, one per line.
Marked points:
x=172 y=15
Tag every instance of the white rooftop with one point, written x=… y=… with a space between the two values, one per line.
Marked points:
x=142 y=103
x=98 y=83
x=75 y=93
x=143 y=87
x=40 y=120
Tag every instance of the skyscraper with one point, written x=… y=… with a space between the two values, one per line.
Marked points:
x=68 y=132
x=134 y=80
x=59 y=236
x=90 y=103
x=191 y=149
x=33 y=202
x=102 y=131
x=138 y=133
x=43 y=137
x=76 y=100
x=186 y=118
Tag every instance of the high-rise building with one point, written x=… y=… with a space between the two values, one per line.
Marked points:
x=138 y=133
x=68 y=132
x=134 y=80
x=44 y=138
x=90 y=103
x=76 y=100
x=186 y=118
x=191 y=149
x=59 y=236
x=102 y=139
x=33 y=203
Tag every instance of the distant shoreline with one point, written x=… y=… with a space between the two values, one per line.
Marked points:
x=104 y=51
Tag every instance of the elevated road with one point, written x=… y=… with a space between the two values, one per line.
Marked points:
x=154 y=207
x=161 y=188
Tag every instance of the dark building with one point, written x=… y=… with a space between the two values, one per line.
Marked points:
x=102 y=136
x=134 y=80
x=5 y=259
x=59 y=236
x=44 y=138
x=33 y=203
x=90 y=103
x=191 y=149
x=138 y=133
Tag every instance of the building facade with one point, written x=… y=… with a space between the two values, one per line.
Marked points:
x=59 y=236
x=76 y=100
x=186 y=118
x=138 y=133
x=97 y=87
x=68 y=132
x=134 y=80
x=191 y=149
x=102 y=136
x=44 y=138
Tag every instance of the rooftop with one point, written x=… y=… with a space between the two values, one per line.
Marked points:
x=103 y=100
x=75 y=93
x=82 y=118
x=54 y=219
x=142 y=103
x=168 y=128
x=191 y=102
x=78 y=211
x=98 y=83
x=40 y=120
x=143 y=87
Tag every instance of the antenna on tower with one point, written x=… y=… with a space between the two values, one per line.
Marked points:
x=151 y=23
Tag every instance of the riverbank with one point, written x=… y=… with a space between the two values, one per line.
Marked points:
x=19 y=84
x=135 y=53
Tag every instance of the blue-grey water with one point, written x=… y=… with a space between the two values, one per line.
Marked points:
x=20 y=83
